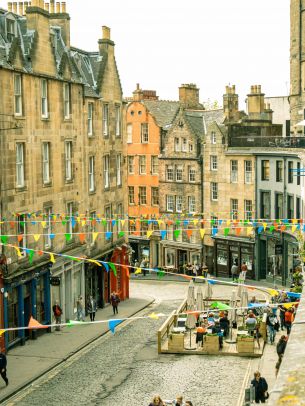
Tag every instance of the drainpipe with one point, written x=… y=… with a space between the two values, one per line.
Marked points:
x=285 y=259
x=201 y=160
x=257 y=245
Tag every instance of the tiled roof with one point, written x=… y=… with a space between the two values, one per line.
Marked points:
x=201 y=119
x=164 y=111
x=196 y=123
x=86 y=67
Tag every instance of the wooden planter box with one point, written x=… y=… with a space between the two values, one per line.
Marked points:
x=211 y=344
x=245 y=345
x=176 y=342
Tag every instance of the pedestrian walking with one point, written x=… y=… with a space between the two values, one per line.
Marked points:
x=278 y=365
x=179 y=401
x=282 y=316
x=234 y=271
x=188 y=403
x=91 y=308
x=261 y=388
x=271 y=322
x=57 y=311
x=115 y=300
x=3 y=365
x=288 y=320
x=157 y=401
x=244 y=270
x=281 y=346
x=80 y=309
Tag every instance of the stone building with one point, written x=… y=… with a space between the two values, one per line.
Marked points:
x=62 y=169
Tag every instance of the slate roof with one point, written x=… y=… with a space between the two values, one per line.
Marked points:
x=196 y=123
x=86 y=67
x=199 y=120
x=164 y=111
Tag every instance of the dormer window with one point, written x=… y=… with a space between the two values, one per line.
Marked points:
x=10 y=29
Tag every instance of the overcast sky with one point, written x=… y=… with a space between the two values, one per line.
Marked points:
x=163 y=43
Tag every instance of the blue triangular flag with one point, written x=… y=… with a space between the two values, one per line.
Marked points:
x=163 y=234
x=73 y=222
x=260 y=230
x=112 y=324
x=52 y=236
x=108 y=235
x=106 y=266
x=211 y=282
x=214 y=231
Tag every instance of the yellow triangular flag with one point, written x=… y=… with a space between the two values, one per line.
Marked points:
x=78 y=219
x=294 y=221
x=273 y=292
x=95 y=262
x=2 y=332
x=18 y=252
x=249 y=230
x=195 y=222
x=137 y=271
x=265 y=226
x=293 y=228
x=123 y=222
x=83 y=223
x=153 y=316
x=43 y=224
x=52 y=259
x=149 y=233
x=36 y=237
x=160 y=222
x=228 y=222
x=202 y=232
x=94 y=236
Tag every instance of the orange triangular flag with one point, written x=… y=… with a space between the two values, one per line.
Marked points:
x=35 y=324
x=82 y=237
x=20 y=237
x=189 y=233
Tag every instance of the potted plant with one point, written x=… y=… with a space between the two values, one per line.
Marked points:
x=245 y=344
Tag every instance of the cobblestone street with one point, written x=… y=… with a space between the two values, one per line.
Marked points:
x=125 y=369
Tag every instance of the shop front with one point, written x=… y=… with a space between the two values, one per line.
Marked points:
x=229 y=251
x=120 y=282
x=26 y=296
x=140 y=248
x=176 y=255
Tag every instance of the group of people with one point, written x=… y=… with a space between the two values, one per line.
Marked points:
x=91 y=307
x=217 y=322
x=157 y=401
x=195 y=269
x=239 y=275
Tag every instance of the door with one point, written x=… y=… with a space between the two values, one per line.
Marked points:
x=234 y=259
x=68 y=305
x=262 y=265
x=182 y=260
x=27 y=307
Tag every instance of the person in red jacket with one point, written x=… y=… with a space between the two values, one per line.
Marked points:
x=288 y=320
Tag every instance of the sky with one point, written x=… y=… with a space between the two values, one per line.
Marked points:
x=164 y=43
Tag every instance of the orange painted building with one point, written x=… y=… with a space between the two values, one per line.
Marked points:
x=147 y=118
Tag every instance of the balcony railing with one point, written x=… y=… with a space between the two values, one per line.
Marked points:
x=272 y=142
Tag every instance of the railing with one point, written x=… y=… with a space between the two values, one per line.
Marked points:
x=259 y=141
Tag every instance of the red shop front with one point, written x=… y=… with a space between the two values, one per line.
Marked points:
x=120 y=282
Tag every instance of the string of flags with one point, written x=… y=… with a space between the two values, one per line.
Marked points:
x=113 y=323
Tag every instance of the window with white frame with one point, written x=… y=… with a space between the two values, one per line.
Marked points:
x=46 y=162
x=214 y=191
x=248 y=209
x=21 y=230
x=155 y=196
x=191 y=204
x=177 y=145
x=234 y=209
x=154 y=165
x=91 y=174
x=234 y=171
x=214 y=163
x=191 y=147
x=70 y=215
x=142 y=164
x=117 y=121
x=20 y=181
x=213 y=137
x=179 y=173
x=169 y=173
x=144 y=133
x=184 y=145
x=248 y=171
x=131 y=195
x=142 y=195
x=192 y=174
x=179 y=202
x=67 y=101
x=108 y=216
x=10 y=29
x=106 y=171
x=48 y=228
x=18 y=94
x=90 y=119
x=131 y=164
x=68 y=160
x=105 y=120
x=129 y=133
x=119 y=170
x=44 y=98
x=170 y=203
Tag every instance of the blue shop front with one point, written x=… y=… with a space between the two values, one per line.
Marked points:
x=26 y=295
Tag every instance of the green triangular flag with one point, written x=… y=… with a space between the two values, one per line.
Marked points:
x=177 y=233
x=104 y=222
x=64 y=222
x=178 y=222
x=22 y=223
x=121 y=234
x=31 y=255
x=271 y=228
x=73 y=323
x=4 y=239
x=161 y=274
x=112 y=266
x=226 y=231
x=68 y=237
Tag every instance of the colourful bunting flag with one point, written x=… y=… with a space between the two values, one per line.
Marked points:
x=121 y=234
x=112 y=266
x=68 y=237
x=106 y=266
x=138 y=271
x=123 y=222
x=108 y=235
x=189 y=233
x=112 y=324
x=177 y=233
x=265 y=226
x=18 y=252
x=52 y=259
x=82 y=237
x=226 y=231
x=94 y=236
x=249 y=230
x=202 y=232
x=72 y=323
x=149 y=233
x=163 y=234
x=35 y=324
x=36 y=237
x=2 y=332
x=4 y=239
x=160 y=274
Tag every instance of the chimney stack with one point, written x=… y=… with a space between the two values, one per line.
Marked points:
x=57 y=7
x=47 y=7
x=230 y=104
x=15 y=7
x=20 y=8
x=189 y=96
x=52 y=6
x=105 y=32
x=63 y=7
x=10 y=6
x=256 y=105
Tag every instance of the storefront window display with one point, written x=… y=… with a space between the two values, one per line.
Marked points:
x=169 y=257
x=222 y=256
x=40 y=300
x=247 y=258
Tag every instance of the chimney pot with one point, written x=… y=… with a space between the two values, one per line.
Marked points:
x=35 y=3
x=106 y=32
x=15 y=7
x=47 y=7
x=252 y=89
x=20 y=8
x=233 y=89
x=63 y=7
x=259 y=89
x=52 y=7
x=57 y=7
x=138 y=86
x=10 y=6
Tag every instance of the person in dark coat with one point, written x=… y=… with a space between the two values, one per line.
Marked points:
x=225 y=325
x=3 y=364
x=115 y=300
x=261 y=388
x=91 y=308
x=281 y=346
x=57 y=311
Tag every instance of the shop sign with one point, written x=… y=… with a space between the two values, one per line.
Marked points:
x=278 y=249
x=55 y=281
